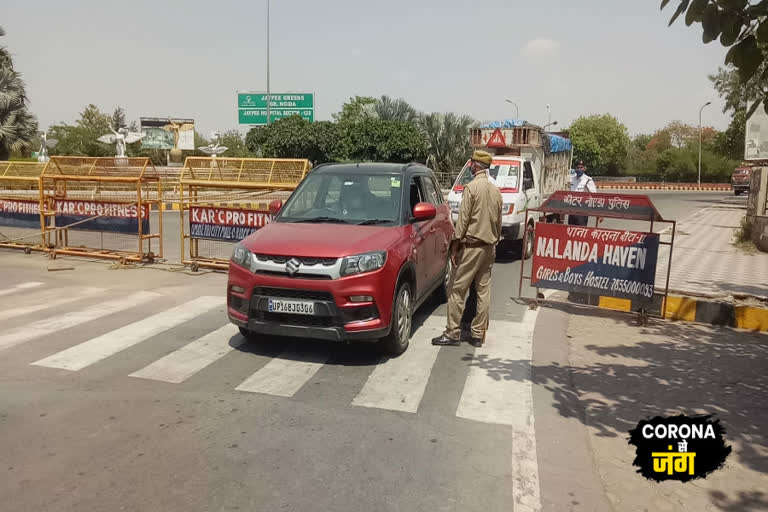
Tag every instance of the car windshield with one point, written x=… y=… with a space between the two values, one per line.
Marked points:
x=351 y=199
x=503 y=173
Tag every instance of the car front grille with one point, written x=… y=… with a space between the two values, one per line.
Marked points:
x=327 y=262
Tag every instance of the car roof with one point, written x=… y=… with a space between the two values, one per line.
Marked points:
x=367 y=168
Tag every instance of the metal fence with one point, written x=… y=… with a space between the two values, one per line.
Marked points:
x=20 y=220
x=223 y=200
x=100 y=207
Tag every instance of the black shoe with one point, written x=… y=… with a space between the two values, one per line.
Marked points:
x=476 y=342
x=445 y=340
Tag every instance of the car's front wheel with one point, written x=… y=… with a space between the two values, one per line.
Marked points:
x=402 y=320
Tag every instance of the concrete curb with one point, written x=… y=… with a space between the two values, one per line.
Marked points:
x=688 y=309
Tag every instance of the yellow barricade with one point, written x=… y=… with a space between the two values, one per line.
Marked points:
x=223 y=200
x=20 y=220
x=102 y=207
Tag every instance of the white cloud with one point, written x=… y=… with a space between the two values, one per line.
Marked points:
x=540 y=47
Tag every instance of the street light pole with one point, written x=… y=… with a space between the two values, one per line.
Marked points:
x=269 y=98
x=517 y=110
x=702 y=108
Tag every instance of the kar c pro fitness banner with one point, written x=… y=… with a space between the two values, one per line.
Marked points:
x=604 y=262
x=20 y=213
x=225 y=224
x=113 y=217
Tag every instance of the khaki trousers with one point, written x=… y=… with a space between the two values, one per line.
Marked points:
x=474 y=266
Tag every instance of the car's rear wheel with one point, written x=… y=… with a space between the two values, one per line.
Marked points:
x=402 y=320
x=737 y=192
x=527 y=244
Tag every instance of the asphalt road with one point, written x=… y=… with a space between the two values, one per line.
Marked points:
x=127 y=390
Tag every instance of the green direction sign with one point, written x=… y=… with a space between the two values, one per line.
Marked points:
x=252 y=107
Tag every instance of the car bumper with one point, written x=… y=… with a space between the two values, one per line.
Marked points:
x=740 y=186
x=336 y=317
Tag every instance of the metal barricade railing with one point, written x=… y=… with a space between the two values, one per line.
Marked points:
x=102 y=207
x=20 y=219
x=223 y=200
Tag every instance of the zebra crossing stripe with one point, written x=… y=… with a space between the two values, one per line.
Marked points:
x=50 y=300
x=181 y=364
x=58 y=323
x=398 y=384
x=94 y=350
x=287 y=373
x=19 y=287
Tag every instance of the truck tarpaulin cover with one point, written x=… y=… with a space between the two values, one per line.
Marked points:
x=225 y=224
x=558 y=144
x=604 y=262
x=114 y=217
x=20 y=213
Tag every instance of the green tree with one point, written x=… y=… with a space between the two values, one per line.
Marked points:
x=118 y=119
x=602 y=142
x=18 y=126
x=355 y=110
x=388 y=109
x=741 y=26
x=233 y=140
x=329 y=142
x=730 y=143
x=80 y=139
x=735 y=93
x=448 y=146
x=387 y=141
x=641 y=141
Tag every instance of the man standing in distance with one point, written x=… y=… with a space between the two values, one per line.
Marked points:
x=473 y=251
x=581 y=182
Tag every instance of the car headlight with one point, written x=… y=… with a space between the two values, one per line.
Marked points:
x=360 y=263
x=241 y=255
x=507 y=208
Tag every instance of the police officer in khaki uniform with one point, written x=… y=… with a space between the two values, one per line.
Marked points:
x=473 y=251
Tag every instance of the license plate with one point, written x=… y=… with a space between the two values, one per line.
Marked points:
x=296 y=307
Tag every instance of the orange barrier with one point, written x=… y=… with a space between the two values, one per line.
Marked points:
x=223 y=200
x=21 y=224
x=100 y=207
x=725 y=187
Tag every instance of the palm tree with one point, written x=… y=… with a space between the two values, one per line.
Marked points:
x=448 y=141
x=18 y=127
x=388 y=109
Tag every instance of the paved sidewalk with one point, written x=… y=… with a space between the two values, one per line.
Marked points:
x=705 y=262
x=619 y=373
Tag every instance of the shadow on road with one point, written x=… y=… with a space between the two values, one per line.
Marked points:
x=683 y=368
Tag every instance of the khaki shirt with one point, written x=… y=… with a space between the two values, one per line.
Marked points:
x=480 y=212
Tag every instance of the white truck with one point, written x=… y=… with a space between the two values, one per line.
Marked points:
x=528 y=165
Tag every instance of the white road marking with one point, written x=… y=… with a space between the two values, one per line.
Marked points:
x=57 y=323
x=94 y=350
x=181 y=364
x=21 y=286
x=398 y=383
x=498 y=390
x=287 y=373
x=49 y=300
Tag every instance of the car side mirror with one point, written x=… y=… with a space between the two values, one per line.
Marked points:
x=275 y=206
x=424 y=211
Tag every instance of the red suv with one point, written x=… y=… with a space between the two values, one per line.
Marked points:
x=740 y=180
x=350 y=256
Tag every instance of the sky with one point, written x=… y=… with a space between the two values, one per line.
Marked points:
x=189 y=58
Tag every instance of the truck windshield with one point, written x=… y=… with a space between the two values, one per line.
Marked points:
x=337 y=198
x=504 y=173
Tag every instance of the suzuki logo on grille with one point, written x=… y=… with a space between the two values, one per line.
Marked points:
x=292 y=266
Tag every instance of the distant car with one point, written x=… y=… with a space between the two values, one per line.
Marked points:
x=352 y=253
x=740 y=180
